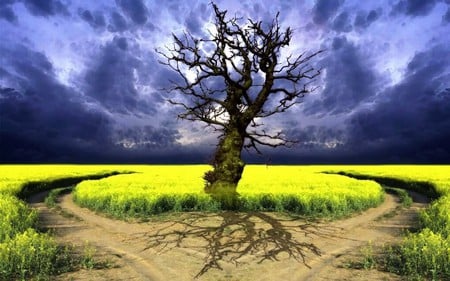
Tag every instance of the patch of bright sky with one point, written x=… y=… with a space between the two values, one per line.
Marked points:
x=162 y=36
x=67 y=42
x=189 y=137
x=393 y=41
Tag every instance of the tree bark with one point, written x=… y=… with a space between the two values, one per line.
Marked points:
x=228 y=165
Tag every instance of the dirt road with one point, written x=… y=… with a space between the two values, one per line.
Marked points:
x=228 y=245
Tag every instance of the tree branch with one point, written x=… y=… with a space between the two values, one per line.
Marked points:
x=239 y=55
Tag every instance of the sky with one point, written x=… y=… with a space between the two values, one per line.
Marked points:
x=80 y=81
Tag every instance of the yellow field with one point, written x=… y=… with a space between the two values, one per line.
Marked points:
x=25 y=253
x=427 y=252
x=156 y=189
x=298 y=189
x=13 y=177
x=437 y=175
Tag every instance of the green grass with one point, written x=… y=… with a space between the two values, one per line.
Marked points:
x=424 y=255
x=26 y=253
x=15 y=217
x=32 y=255
x=402 y=194
x=52 y=196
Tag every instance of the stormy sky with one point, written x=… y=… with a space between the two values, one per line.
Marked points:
x=80 y=81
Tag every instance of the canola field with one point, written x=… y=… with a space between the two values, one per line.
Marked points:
x=13 y=178
x=26 y=253
x=295 y=189
x=419 y=177
x=424 y=255
x=309 y=190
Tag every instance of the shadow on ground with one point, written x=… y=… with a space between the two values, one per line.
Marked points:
x=233 y=237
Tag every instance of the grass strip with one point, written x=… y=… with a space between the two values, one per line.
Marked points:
x=402 y=194
x=52 y=197
x=425 y=254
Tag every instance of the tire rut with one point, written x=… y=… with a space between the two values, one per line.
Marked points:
x=180 y=248
x=71 y=227
x=380 y=230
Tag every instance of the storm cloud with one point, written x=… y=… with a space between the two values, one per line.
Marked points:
x=8 y=14
x=414 y=7
x=46 y=8
x=349 y=79
x=446 y=17
x=364 y=20
x=95 y=20
x=42 y=118
x=399 y=126
x=117 y=23
x=136 y=10
x=324 y=11
x=80 y=81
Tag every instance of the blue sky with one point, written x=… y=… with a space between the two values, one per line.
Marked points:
x=80 y=81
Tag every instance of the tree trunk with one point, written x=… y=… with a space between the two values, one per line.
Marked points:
x=228 y=165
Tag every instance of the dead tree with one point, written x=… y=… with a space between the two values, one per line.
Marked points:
x=231 y=81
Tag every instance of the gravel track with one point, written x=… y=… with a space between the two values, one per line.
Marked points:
x=228 y=245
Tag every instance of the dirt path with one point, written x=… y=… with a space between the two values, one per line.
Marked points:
x=227 y=246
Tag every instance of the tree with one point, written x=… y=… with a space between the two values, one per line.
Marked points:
x=233 y=79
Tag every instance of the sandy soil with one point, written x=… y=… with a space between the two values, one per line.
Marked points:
x=228 y=245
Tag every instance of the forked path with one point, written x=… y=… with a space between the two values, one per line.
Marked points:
x=228 y=245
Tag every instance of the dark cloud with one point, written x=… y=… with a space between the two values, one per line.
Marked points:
x=109 y=106
x=193 y=21
x=414 y=7
x=117 y=23
x=113 y=77
x=349 y=79
x=342 y=23
x=257 y=8
x=46 y=8
x=7 y=13
x=412 y=121
x=446 y=17
x=95 y=20
x=324 y=10
x=44 y=120
x=364 y=20
x=5 y=3
x=135 y=10
x=192 y=16
x=121 y=43
x=110 y=80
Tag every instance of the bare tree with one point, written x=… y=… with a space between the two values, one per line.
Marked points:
x=233 y=79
